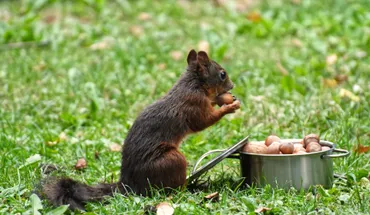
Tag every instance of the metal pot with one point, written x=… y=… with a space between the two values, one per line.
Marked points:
x=283 y=171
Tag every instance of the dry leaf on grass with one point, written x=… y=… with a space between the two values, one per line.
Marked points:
x=282 y=69
x=176 y=55
x=162 y=66
x=105 y=43
x=136 y=30
x=341 y=78
x=331 y=59
x=213 y=197
x=51 y=143
x=361 y=149
x=348 y=94
x=254 y=17
x=96 y=155
x=203 y=46
x=115 y=147
x=62 y=136
x=81 y=164
x=164 y=208
x=144 y=16
x=297 y=43
x=331 y=83
x=262 y=210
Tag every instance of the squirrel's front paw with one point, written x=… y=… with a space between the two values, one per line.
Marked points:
x=231 y=108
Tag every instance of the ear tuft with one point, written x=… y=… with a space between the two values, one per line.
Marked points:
x=203 y=58
x=192 y=56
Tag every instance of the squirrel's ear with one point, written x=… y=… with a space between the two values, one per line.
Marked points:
x=192 y=56
x=203 y=58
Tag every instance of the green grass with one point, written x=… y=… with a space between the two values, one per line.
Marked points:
x=93 y=96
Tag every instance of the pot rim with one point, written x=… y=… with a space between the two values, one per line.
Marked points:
x=294 y=141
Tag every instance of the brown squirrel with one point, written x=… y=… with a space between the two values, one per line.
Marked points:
x=150 y=154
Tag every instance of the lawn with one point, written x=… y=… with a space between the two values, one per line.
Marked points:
x=75 y=74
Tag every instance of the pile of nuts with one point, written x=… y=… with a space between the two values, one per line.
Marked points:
x=273 y=145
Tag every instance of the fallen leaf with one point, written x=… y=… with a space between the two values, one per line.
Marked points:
x=106 y=43
x=214 y=197
x=203 y=46
x=262 y=209
x=144 y=16
x=162 y=66
x=96 y=155
x=254 y=17
x=331 y=59
x=62 y=136
x=50 y=18
x=331 y=83
x=361 y=149
x=340 y=78
x=297 y=43
x=51 y=143
x=136 y=30
x=39 y=67
x=81 y=164
x=348 y=94
x=99 y=46
x=164 y=208
x=115 y=147
x=176 y=55
x=282 y=69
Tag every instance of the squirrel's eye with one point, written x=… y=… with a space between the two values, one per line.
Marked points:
x=222 y=75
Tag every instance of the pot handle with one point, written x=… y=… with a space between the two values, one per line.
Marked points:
x=204 y=156
x=342 y=153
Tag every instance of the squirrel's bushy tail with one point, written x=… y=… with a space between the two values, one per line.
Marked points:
x=65 y=191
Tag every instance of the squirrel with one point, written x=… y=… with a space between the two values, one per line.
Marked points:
x=150 y=153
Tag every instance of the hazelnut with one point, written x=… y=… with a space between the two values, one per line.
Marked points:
x=310 y=138
x=300 y=152
x=225 y=98
x=287 y=148
x=270 y=139
x=255 y=147
x=298 y=147
x=273 y=148
x=325 y=148
x=313 y=147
